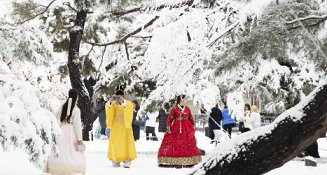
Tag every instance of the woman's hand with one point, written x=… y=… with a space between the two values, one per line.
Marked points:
x=79 y=142
x=168 y=130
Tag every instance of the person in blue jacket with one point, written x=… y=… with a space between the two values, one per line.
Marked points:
x=228 y=121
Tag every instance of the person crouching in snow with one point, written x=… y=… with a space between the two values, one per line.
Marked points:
x=119 y=113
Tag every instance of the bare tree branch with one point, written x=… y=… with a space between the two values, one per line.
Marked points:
x=38 y=14
x=141 y=37
x=322 y=17
x=123 y=39
x=70 y=7
x=102 y=56
x=126 y=49
x=231 y=27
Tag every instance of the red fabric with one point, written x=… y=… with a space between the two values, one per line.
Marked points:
x=178 y=144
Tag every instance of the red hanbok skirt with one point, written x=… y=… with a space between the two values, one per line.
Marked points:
x=179 y=146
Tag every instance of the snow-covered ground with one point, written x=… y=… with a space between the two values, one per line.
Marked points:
x=146 y=163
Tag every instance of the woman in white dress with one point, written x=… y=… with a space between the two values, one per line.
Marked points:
x=252 y=119
x=70 y=158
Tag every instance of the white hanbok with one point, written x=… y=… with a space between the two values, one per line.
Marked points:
x=69 y=160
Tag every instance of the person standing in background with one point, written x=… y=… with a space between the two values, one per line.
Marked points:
x=214 y=121
x=150 y=127
x=255 y=115
x=102 y=115
x=228 y=121
x=162 y=119
x=136 y=127
x=247 y=108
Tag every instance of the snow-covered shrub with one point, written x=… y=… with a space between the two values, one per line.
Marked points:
x=24 y=124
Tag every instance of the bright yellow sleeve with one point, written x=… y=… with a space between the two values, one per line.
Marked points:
x=128 y=114
x=110 y=113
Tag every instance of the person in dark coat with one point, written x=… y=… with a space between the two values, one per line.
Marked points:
x=215 y=117
x=241 y=127
x=203 y=110
x=102 y=114
x=162 y=120
x=312 y=150
x=135 y=126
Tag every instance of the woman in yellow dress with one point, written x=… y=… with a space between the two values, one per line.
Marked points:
x=119 y=113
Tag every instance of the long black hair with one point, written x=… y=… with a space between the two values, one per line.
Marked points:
x=179 y=99
x=225 y=103
x=64 y=117
x=247 y=106
x=137 y=105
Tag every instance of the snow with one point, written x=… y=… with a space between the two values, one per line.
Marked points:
x=146 y=162
x=15 y=163
x=296 y=167
x=310 y=158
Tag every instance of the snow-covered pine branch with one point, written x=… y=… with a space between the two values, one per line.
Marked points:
x=123 y=39
x=221 y=34
x=319 y=17
x=41 y=12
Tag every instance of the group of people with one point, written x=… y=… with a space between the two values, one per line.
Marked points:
x=220 y=115
x=178 y=147
x=143 y=122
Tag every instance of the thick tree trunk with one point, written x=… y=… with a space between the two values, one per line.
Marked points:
x=84 y=103
x=269 y=147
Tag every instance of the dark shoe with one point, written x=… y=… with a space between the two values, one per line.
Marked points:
x=202 y=152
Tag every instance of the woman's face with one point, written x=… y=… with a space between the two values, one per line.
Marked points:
x=183 y=102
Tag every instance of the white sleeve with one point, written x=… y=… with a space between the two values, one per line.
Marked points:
x=257 y=122
x=77 y=122
x=58 y=113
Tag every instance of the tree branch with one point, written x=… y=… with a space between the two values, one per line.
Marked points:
x=123 y=39
x=126 y=49
x=322 y=17
x=231 y=27
x=102 y=56
x=142 y=9
x=143 y=37
x=70 y=7
x=38 y=14
x=74 y=9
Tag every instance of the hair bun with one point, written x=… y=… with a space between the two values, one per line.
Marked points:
x=119 y=90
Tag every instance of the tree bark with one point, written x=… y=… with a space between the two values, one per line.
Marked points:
x=269 y=147
x=84 y=102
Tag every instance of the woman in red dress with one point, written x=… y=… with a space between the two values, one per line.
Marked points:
x=178 y=147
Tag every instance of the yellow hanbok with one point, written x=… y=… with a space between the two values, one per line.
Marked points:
x=121 y=141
